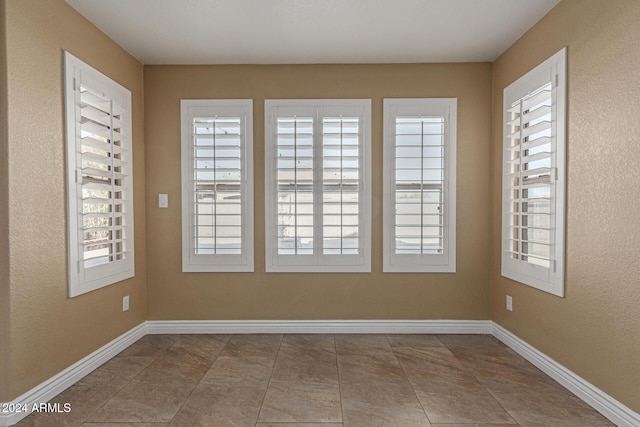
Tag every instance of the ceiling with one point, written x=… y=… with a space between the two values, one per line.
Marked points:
x=313 y=31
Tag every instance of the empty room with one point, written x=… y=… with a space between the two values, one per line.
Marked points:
x=319 y=213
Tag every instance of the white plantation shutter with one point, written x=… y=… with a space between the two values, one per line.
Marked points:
x=340 y=185
x=295 y=189
x=419 y=185
x=217 y=185
x=317 y=185
x=533 y=177
x=99 y=178
x=529 y=179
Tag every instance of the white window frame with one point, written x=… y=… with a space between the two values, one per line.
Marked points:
x=237 y=108
x=114 y=101
x=549 y=279
x=445 y=108
x=318 y=262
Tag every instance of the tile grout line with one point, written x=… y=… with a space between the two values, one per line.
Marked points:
x=409 y=380
x=270 y=377
x=84 y=421
x=517 y=424
x=199 y=381
x=335 y=347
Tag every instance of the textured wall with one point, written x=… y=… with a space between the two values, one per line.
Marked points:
x=595 y=330
x=49 y=331
x=4 y=218
x=177 y=295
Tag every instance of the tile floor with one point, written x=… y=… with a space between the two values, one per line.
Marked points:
x=318 y=380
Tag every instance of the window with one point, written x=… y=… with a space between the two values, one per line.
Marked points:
x=217 y=185
x=99 y=178
x=419 y=185
x=318 y=185
x=534 y=177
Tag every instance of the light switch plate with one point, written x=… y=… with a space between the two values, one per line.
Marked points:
x=163 y=200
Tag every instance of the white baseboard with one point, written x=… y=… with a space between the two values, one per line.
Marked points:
x=60 y=382
x=602 y=402
x=319 y=326
x=615 y=411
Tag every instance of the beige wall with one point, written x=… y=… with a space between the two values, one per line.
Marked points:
x=595 y=330
x=177 y=295
x=4 y=219
x=49 y=331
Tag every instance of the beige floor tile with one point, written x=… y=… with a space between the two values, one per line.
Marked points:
x=230 y=393
x=448 y=392
x=486 y=356
x=48 y=420
x=473 y=425
x=301 y=401
x=148 y=400
x=353 y=344
x=203 y=340
x=474 y=341
x=125 y=424
x=119 y=370
x=253 y=345
x=83 y=408
x=187 y=363
x=306 y=361
x=375 y=392
x=531 y=397
x=150 y=345
x=253 y=371
x=88 y=394
x=221 y=405
x=309 y=340
x=91 y=392
x=303 y=387
x=299 y=425
x=545 y=405
x=414 y=340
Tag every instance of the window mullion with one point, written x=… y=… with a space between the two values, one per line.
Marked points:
x=194 y=194
x=421 y=186
x=295 y=185
x=341 y=187
x=215 y=189
x=318 y=186
x=520 y=227
x=112 y=199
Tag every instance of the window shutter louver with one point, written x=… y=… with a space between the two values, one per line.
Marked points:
x=317 y=185
x=419 y=185
x=533 y=177
x=217 y=185
x=103 y=180
x=530 y=183
x=295 y=182
x=100 y=181
x=341 y=185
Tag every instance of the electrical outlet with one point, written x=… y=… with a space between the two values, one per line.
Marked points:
x=509 y=303
x=125 y=303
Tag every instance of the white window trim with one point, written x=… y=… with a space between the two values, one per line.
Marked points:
x=551 y=280
x=317 y=262
x=192 y=262
x=440 y=107
x=80 y=279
